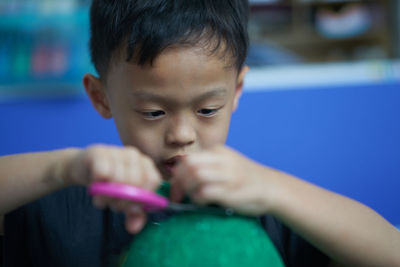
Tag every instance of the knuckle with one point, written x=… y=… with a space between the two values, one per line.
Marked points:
x=97 y=148
x=193 y=169
x=147 y=162
x=95 y=152
x=89 y=154
x=132 y=151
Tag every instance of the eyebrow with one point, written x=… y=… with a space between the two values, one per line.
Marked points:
x=143 y=95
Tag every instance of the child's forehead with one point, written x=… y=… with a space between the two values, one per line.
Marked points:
x=206 y=50
x=178 y=77
x=188 y=61
x=178 y=64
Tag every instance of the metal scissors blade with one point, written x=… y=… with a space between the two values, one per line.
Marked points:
x=182 y=207
x=151 y=201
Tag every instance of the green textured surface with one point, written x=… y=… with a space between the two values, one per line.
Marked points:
x=192 y=239
x=202 y=240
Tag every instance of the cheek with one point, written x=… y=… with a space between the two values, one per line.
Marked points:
x=216 y=133
x=148 y=141
x=134 y=132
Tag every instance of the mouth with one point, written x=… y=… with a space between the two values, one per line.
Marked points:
x=171 y=163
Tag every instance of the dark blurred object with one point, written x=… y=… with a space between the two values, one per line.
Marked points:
x=1 y=251
x=326 y=31
x=397 y=30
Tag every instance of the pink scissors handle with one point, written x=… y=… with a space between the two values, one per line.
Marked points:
x=150 y=200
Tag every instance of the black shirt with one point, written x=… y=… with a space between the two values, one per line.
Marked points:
x=64 y=229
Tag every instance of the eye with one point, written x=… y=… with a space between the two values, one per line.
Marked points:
x=153 y=115
x=207 y=112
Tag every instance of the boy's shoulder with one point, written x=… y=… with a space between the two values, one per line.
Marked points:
x=294 y=250
x=62 y=229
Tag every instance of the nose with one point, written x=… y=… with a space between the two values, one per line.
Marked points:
x=180 y=132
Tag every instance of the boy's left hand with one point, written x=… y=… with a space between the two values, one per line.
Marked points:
x=222 y=176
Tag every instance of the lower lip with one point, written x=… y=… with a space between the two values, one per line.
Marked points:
x=169 y=167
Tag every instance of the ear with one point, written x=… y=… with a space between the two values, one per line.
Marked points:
x=239 y=86
x=95 y=90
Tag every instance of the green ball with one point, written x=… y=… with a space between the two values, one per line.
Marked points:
x=191 y=240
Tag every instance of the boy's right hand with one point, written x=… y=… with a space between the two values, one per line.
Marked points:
x=115 y=164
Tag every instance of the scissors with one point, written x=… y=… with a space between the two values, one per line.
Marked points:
x=151 y=201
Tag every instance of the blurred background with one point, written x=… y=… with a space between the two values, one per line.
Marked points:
x=322 y=99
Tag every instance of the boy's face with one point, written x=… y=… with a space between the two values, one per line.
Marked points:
x=181 y=104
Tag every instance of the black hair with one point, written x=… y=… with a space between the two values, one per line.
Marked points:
x=147 y=27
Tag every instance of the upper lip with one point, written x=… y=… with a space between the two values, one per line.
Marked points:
x=174 y=159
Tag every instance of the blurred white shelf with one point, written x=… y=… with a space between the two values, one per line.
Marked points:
x=317 y=76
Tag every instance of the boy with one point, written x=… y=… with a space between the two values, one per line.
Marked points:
x=170 y=74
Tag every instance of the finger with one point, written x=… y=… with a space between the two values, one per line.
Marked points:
x=211 y=176
x=140 y=170
x=186 y=185
x=209 y=194
x=134 y=222
x=98 y=162
x=100 y=168
x=204 y=158
x=184 y=182
x=132 y=168
x=198 y=165
x=197 y=170
x=198 y=177
x=118 y=157
x=151 y=174
x=185 y=170
x=176 y=192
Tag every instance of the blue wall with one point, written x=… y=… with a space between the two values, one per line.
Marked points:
x=346 y=139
